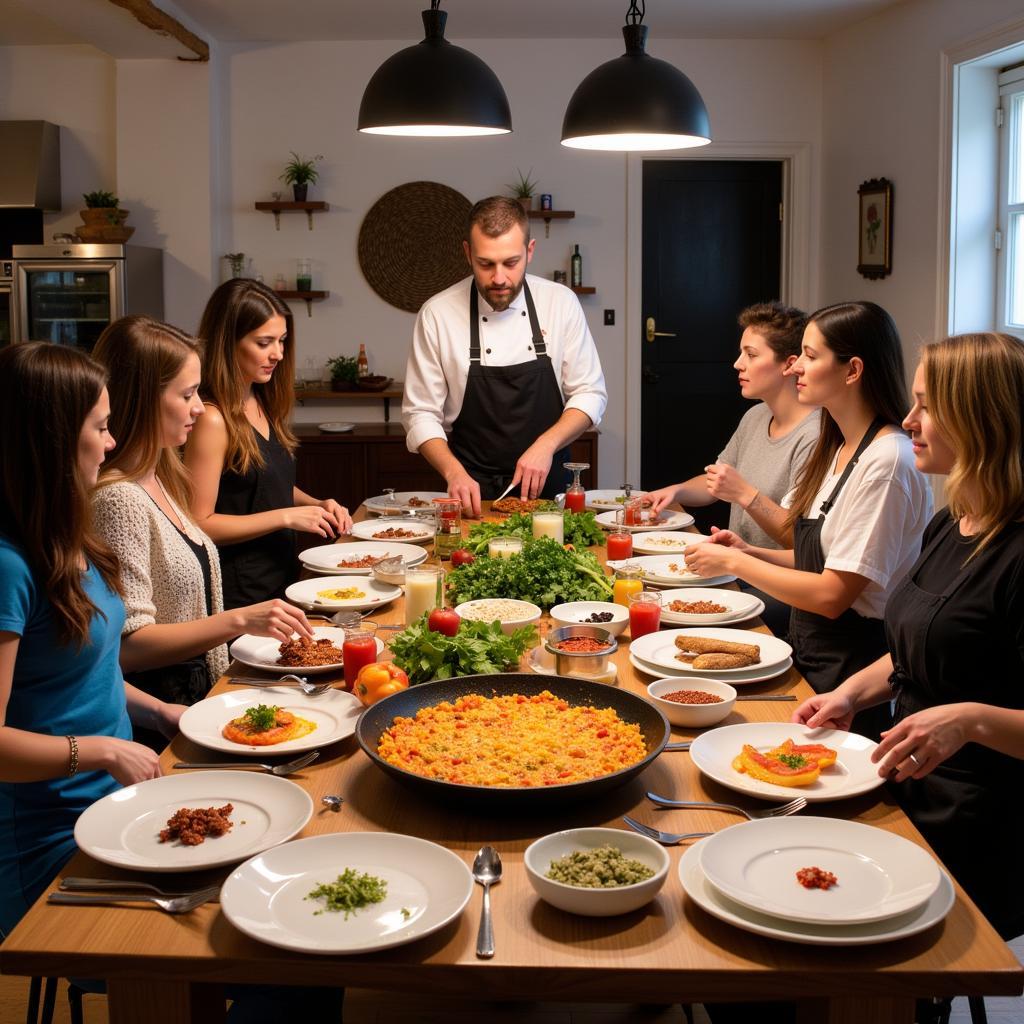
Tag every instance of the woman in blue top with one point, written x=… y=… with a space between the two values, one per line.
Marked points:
x=65 y=734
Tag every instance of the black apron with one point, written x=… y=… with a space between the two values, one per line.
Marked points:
x=828 y=651
x=505 y=409
x=968 y=807
x=259 y=569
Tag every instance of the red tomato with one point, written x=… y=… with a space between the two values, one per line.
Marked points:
x=444 y=620
x=460 y=556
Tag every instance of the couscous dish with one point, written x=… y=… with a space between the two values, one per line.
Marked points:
x=512 y=741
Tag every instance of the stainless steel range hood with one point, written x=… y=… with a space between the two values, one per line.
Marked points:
x=29 y=165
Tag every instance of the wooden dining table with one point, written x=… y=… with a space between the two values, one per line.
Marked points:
x=166 y=969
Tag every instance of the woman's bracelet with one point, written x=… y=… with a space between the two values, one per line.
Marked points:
x=73 y=756
x=753 y=498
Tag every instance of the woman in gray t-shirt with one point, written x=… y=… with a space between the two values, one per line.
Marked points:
x=761 y=462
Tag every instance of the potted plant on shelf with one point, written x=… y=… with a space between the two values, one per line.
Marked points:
x=300 y=174
x=102 y=219
x=344 y=372
x=236 y=260
x=524 y=189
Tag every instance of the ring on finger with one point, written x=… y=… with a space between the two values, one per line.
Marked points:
x=917 y=764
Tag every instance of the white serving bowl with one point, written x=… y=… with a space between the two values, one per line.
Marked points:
x=692 y=716
x=595 y=902
x=573 y=614
x=523 y=613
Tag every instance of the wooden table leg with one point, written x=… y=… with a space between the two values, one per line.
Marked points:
x=855 y=1010
x=164 y=1002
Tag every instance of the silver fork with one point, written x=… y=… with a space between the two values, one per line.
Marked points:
x=779 y=811
x=275 y=769
x=665 y=838
x=173 y=905
x=287 y=681
x=108 y=885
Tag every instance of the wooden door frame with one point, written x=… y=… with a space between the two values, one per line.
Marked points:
x=798 y=270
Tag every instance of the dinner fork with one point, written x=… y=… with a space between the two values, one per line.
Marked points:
x=779 y=811
x=275 y=769
x=288 y=681
x=173 y=905
x=665 y=838
x=107 y=885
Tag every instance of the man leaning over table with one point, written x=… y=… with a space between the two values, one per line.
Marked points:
x=504 y=373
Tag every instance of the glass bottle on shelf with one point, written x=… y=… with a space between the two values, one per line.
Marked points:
x=304 y=276
x=362 y=363
x=575 y=495
x=576 y=268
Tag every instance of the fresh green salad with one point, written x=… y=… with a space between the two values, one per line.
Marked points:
x=545 y=574
x=478 y=648
x=581 y=530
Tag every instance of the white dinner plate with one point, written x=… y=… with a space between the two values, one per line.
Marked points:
x=427 y=887
x=263 y=651
x=605 y=499
x=879 y=874
x=852 y=774
x=735 y=679
x=325 y=560
x=376 y=594
x=123 y=828
x=368 y=528
x=660 y=649
x=336 y=427
x=334 y=713
x=657 y=571
x=382 y=505
x=708 y=898
x=661 y=542
x=667 y=520
x=740 y=606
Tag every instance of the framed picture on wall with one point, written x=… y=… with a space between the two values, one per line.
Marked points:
x=874 y=228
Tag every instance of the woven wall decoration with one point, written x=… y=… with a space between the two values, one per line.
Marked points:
x=410 y=243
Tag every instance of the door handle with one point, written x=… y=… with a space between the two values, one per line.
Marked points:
x=652 y=333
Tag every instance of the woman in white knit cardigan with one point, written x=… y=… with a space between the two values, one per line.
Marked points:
x=176 y=627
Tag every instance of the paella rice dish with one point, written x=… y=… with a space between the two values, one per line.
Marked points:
x=512 y=741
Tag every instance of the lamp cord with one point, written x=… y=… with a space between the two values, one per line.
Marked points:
x=635 y=14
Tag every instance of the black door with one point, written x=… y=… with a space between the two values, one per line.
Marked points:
x=711 y=246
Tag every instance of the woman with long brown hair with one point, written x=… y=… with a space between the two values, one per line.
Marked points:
x=859 y=507
x=241 y=453
x=955 y=625
x=176 y=626
x=65 y=710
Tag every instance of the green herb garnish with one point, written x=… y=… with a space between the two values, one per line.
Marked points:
x=477 y=648
x=352 y=891
x=406 y=913
x=261 y=717
x=793 y=760
x=581 y=530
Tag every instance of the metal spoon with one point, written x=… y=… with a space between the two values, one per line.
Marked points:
x=487 y=871
x=333 y=801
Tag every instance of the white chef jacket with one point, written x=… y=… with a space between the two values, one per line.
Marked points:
x=435 y=376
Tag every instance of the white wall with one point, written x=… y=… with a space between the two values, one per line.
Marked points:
x=757 y=91
x=883 y=88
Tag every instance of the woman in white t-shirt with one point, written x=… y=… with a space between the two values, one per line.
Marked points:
x=859 y=508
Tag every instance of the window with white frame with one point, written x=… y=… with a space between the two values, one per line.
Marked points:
x=1010 y=290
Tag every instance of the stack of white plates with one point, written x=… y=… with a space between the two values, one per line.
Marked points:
x=655 y=655
x=887 y=887
x=738 y=606
x=659 y=572
x=382 y=504
x=325 y=560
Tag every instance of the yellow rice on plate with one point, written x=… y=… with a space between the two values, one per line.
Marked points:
x=512 y=741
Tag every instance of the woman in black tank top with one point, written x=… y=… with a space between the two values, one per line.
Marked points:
x=241 y=453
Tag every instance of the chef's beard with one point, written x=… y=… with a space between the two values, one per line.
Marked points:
x=502 y=301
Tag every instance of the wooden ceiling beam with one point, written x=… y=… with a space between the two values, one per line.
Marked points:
x=148 y=14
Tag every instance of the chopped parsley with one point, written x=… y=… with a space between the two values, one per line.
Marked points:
x=352 y=891
x=261 y=717
x=793 y=760
x=406 y=913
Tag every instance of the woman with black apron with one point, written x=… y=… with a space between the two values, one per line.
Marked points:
x=241 y=453
x=859 y=508
x=955 y=627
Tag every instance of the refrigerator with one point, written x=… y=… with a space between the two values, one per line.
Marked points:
x=68 y=293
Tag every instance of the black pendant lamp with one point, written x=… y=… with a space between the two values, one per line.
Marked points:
x=636 y=102
x=434 y=89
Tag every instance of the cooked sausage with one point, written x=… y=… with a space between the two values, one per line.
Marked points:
x=705 y=645
x=722 y=661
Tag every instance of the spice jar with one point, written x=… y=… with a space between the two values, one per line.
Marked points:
x=448 y=528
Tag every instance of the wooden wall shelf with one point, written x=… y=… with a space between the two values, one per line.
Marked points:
x=584 y=289
x=303 y=395
x=308 y=297
x=276 y=206
x=548 y=216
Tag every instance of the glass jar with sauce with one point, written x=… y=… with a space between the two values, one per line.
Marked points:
x=448 y=528
x=628 y=580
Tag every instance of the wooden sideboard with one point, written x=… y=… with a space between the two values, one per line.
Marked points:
x=360 y=464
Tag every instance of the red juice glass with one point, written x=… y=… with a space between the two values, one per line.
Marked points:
x=359 y=649
x=575 y=501
x=620 y=545
x=644 y=613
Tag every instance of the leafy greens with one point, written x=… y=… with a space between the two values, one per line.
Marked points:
x=581 y=530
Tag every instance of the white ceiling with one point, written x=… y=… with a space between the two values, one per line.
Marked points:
x=41 y=22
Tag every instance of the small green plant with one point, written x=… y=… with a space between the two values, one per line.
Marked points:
x=237 y=262
x=100 y=200
x=344 y=368
x=525 y=187
x=301 y=172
